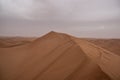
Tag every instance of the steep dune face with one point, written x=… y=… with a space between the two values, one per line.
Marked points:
x=108 y=61
x=55 y=56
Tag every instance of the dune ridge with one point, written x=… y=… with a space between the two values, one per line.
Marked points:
x=58 y=56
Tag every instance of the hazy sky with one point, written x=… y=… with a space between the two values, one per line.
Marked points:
x=83 y=18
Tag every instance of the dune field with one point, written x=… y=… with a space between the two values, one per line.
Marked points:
x=59 y=56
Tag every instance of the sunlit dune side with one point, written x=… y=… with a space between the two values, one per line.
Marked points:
x=56 y=56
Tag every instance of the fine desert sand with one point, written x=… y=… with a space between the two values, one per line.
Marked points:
x=59 y=56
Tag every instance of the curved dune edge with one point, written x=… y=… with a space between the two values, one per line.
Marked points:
x=58 y=56
x=108 y=61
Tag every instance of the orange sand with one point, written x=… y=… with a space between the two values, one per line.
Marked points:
x=57 y=56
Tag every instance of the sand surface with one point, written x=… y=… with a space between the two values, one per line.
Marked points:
x=58 y=56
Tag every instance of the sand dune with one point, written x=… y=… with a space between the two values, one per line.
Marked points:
x=14 y=41
x=112 y=45
x=57 y=56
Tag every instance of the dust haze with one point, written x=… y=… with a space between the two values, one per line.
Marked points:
x=83 y=18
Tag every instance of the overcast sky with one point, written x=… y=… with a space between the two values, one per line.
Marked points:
x=82 y=18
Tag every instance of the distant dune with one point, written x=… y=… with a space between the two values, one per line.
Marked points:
x=14 y=41
x=59 y=56
x=112 y=45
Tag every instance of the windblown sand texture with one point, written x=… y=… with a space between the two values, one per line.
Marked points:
x=57 y=56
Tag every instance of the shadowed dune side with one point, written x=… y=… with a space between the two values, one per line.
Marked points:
x=54 y=56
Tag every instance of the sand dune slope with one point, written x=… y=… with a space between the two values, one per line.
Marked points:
x=58 y=56
x=107 y=60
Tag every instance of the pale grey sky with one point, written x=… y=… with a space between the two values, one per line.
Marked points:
x=82 y=18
